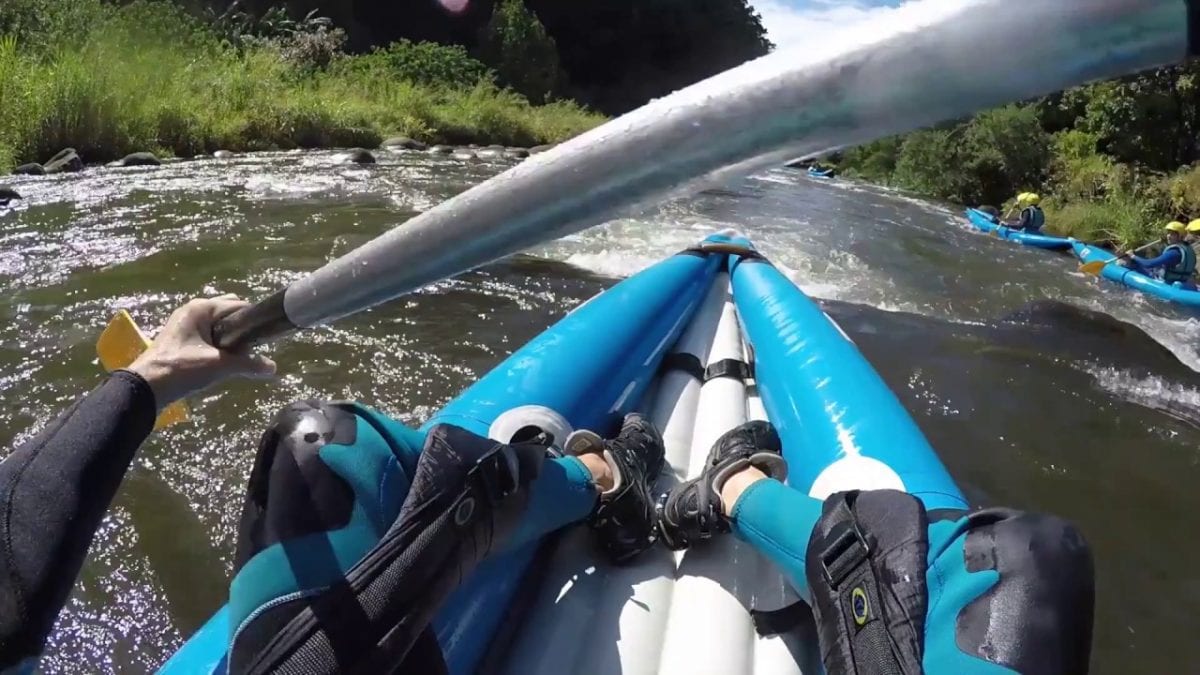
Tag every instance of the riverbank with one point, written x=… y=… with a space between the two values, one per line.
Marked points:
x=109 y=81
x=1089 y=190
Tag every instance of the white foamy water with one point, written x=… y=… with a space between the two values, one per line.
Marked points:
x=1152 y=392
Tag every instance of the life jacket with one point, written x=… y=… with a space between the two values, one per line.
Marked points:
x=1036 y=219
x=1183 y=270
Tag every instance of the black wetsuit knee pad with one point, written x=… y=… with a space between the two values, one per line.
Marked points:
x=1038 y=617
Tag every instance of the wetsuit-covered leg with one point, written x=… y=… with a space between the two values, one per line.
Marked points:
x=355 y=528
x=1006 y=591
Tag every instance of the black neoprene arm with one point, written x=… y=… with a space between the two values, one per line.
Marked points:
x=54 y=491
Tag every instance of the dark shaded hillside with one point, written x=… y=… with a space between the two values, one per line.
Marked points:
x=617 y=54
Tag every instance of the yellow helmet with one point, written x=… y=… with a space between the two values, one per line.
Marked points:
x=1022 y=198
x=1194 y=226
x=1032 y=198
x=1176 y=226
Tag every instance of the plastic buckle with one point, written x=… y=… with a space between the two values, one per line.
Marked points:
x=850 y=542
x=499 y=473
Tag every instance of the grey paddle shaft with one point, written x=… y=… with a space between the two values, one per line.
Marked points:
x=896 y=78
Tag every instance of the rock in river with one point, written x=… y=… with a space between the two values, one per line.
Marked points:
x=464 y=154
x=516 y=153
x=356 y=156
x=31 y=169
x=66 y=161
x=223 y=154
x=8 y=194
x=490 y=153
x=441 y=150
x=539 y=149
x=141 y=159
x=403 y=143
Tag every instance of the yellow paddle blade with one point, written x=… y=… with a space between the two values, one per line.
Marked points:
x=1093 y=268
x=119 y=345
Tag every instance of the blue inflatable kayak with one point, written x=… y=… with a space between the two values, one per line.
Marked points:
x=818 y=173
x=1134 y=279
x=985 y=221
x=632 y=347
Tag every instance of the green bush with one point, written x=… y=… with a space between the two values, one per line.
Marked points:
x=1121 y=222
x=1183 y=190
x=1003 y=151
x=423 y=63
x=929 y=162
x=525 y=57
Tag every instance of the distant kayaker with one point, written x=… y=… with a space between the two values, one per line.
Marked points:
x=1193 y=236
x=355 y=528
x=893 y=588
x=1177 y=261
x=1032 y=217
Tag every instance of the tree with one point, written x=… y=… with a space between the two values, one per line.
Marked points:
x=525 y=58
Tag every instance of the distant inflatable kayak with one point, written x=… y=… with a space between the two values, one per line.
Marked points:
x=1134 y=279
x=702 y=342
x=819 y=173
x=985 y=221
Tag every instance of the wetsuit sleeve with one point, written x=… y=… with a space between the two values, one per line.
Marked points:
x=1168 y=258
x=54 y=490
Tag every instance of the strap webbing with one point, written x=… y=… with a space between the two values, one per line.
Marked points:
x=735 y=368
x=847 y=565
x=688 y=363
x=779 y=621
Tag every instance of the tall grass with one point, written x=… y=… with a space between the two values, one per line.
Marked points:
x=146 y=76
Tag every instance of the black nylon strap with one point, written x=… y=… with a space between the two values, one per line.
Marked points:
x=848 y=551
x=779 y=621
x=688 y=363
x=847 y=565
x=735 y=368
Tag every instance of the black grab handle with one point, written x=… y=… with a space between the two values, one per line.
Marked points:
x=262 y=322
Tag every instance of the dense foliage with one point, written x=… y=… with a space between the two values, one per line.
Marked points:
x=109 y=80
x=515 y=43
x=615 y=54
x=1116 y=159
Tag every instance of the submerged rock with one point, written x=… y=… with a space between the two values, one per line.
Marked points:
x=141 y=159
x=356 y=156
x=66 y=161
x=223 y=154
x=441 y=150
x=490 y=153
x=31 y=169
x=537 y=149
x=8 y=194
x=465 y=155
x=403 y=143
x=516 y=153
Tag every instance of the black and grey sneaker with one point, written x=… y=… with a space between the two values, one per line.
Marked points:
x=693 y=511
x=624 y=518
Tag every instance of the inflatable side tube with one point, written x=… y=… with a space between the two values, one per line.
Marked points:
x=1136 y=280
x=981 y=220
x=591 y=367
x=841 y=427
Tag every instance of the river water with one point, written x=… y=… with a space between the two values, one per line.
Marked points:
x=1023 y=373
